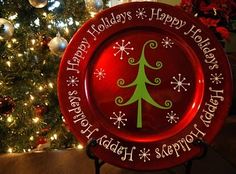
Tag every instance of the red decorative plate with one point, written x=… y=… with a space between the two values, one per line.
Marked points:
x=145 y=80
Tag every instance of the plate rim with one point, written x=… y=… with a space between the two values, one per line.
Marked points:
x=89 y=22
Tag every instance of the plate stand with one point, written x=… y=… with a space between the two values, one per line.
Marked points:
x=98 y=163
x=204 y=149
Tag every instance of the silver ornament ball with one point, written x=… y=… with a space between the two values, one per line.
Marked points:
x=94 y=5
x=38 y=3
x=6 y=29
x=58 y=45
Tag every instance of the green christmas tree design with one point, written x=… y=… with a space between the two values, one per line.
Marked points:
x=141 y=92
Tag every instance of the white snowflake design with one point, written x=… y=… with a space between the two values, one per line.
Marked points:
x=118 y=119
x=180 y=83
x=72 y=81
x=122 y=48
x=141 y=13
x=144 y=154
x=167 y=42
x=216 y=78
x=171 y=117
x=100 y=73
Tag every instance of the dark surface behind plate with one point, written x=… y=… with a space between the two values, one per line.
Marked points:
x=76 y=162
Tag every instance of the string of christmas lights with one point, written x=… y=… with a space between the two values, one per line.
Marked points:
x=33 y=37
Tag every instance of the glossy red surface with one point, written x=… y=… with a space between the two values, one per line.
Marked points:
x=145 y=80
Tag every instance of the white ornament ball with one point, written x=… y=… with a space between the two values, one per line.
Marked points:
x=94 y=6
x=6 y=29
x=58 y=45
x=38 y=3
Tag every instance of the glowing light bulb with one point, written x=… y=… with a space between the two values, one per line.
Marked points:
x=17 y=25
x=19 y=55
x=50 y=84
x=70 y=21
x=40 y=88
x=61 y=24
x=33 y=41
x=13 y=40
x=36 y=119
x=77 y=23
x=45 y=14
x=10 y=150
x=12 y=17
x=37 y=22
x=55 y=136
x=9 y=45
x=55 y=5
x=63 y=119
x=8 y=63
x=93 y=14
x=31 y=97
x=31 y=138
x=10 y=119
x=80 y=147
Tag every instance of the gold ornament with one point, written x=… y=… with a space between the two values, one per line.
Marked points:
x=38 y=3
x=58 y=45
x=94 y=6
x=6 y=29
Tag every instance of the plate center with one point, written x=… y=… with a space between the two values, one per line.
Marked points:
x=145 y=84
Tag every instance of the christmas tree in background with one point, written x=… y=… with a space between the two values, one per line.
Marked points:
x=33 y=37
